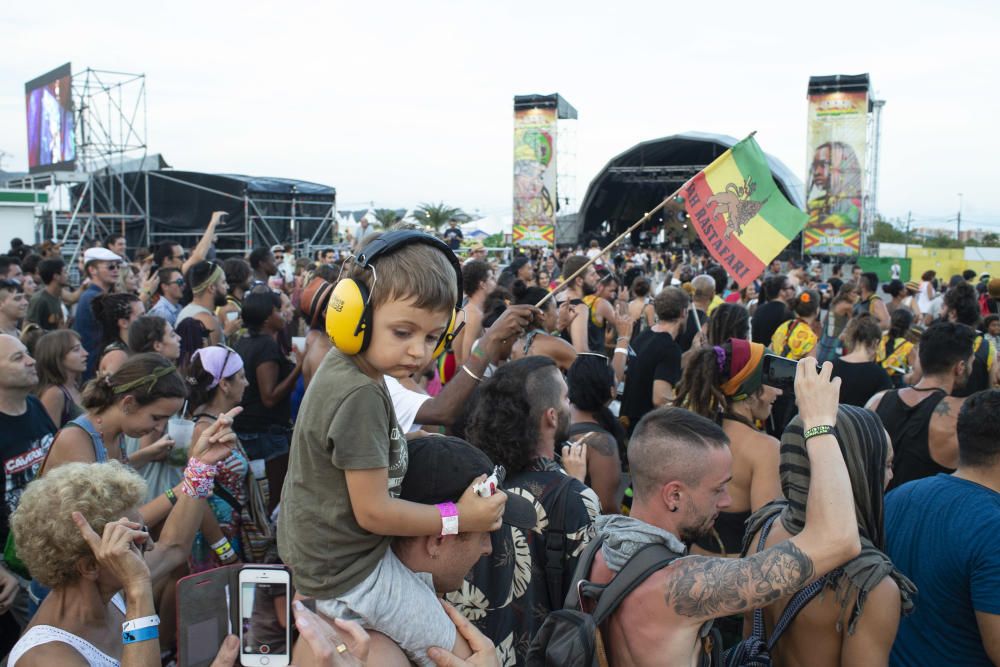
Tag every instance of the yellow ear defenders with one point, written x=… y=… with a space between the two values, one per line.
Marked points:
x=349 y=313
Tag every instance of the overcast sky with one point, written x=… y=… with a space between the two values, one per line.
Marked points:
x=399 y=103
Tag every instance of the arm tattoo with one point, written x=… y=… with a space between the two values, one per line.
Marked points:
x=703 y=587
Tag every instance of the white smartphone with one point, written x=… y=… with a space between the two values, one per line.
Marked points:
x=265 y=635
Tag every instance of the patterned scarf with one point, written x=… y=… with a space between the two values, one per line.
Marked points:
x=865 y=448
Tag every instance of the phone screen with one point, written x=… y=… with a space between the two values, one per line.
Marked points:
x=263 y=619
x=779 y=372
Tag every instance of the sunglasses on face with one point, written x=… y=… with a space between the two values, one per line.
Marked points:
x=179 y=282
x=113 y=266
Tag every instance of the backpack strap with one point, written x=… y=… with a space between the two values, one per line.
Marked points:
x=555 y=545
x=801 y=598
x=798 y=602
x=644 y=562
x=584 y=564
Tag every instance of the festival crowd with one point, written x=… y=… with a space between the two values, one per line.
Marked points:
x=578 y=457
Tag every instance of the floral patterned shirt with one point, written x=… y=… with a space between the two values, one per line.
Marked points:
x=506 y=595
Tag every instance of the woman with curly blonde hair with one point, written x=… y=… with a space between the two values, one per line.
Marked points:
x=80 y=532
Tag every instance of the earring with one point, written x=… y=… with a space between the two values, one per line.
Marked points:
x=673 y=509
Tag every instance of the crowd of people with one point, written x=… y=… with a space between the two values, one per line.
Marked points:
x=446 y=452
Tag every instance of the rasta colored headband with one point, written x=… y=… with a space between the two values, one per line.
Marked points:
x=748 y=358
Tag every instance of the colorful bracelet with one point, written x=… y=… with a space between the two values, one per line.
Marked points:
x=817 y=430
x=449 y=518
x=199 y=479
x=171 y=496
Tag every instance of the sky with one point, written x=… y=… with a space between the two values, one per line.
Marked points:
x=398 y=103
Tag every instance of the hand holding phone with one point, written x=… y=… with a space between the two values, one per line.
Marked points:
x=264 y=610
x=779 y=372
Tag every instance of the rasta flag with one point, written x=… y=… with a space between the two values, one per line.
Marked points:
x=739 y=213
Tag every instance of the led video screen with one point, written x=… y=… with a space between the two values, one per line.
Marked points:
x=51 y=125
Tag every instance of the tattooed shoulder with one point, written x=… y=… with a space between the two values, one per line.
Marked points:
x=943 y=408
x=702 y=587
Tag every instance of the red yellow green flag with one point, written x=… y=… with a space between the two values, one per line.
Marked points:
x=739 y=213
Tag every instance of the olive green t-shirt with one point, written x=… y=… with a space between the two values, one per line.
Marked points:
x=346 y=422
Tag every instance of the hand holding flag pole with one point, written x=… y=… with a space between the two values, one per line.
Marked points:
x=735 y=206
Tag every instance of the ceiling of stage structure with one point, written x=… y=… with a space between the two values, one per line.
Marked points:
x=638 y=179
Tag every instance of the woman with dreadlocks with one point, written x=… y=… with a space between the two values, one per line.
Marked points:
x=834 y=629
x=723 y=383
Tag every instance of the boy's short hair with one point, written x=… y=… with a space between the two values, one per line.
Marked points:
x=415 y=271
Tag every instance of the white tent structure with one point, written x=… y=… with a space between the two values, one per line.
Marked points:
x=487 y=226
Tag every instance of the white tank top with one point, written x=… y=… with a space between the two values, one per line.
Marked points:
x=44 y=634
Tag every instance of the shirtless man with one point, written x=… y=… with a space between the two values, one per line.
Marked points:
x=477 y=282
x=681 y=465
x=922 y=419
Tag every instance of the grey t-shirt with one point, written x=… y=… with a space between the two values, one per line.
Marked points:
x=346 y=422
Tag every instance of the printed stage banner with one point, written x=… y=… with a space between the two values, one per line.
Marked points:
x=534 y=177
x=838 y=125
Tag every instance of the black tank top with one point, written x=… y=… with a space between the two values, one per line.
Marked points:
x=908 y=427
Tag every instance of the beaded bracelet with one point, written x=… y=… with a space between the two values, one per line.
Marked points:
x=199 y=479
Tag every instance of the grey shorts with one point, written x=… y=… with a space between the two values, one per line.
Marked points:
x=400 y=604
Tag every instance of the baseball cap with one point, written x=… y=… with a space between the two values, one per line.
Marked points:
x=478 y=245
x=100 y=255
x=441 y=468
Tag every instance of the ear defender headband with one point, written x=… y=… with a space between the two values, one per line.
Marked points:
x=349 y=313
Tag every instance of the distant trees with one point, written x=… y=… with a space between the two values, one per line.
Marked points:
x=438 y=215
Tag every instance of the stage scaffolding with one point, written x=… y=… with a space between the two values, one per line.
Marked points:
x=110 y=190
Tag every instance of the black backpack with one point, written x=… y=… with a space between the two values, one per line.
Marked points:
x=571 y=637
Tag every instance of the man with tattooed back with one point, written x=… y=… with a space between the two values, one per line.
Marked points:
x=681 y=465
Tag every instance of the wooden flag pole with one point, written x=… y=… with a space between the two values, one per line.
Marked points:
x=569 y=280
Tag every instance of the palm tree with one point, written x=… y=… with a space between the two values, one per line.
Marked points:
x=386 y=217
x=437 y=215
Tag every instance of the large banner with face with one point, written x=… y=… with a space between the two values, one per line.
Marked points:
x=837 y=136
x=534 y=176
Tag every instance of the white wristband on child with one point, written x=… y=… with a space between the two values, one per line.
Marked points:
x=449 y=518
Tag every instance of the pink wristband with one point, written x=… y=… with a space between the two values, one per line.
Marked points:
x=449 y=518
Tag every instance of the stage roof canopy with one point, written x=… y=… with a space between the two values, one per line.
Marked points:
x=638 y=179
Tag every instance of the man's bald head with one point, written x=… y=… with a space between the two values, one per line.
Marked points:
x=704 y=287
x=17 y=368
x=670 y=444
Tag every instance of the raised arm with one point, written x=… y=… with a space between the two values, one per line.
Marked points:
x=699 y=588
x=200 y=251
x=494 y=346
